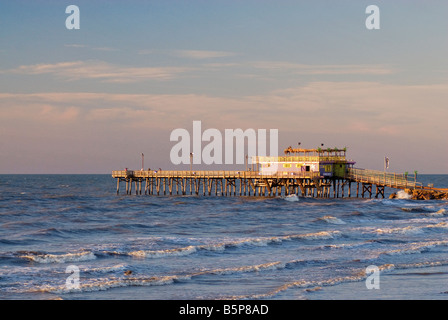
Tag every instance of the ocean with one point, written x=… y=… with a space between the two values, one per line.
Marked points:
x=72 y=237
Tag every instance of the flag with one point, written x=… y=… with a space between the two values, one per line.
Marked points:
x=386 y=162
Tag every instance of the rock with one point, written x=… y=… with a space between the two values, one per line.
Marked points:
x=428 y=195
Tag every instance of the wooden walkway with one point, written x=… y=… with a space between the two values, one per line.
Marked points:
x=381 y=178
x=367 y=183
x=250 y=183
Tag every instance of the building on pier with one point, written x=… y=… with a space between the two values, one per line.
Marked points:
x=328 y=163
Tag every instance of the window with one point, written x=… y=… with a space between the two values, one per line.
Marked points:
x=287 y=165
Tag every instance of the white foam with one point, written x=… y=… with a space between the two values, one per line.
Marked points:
x=291 y=198
x=305 y=284
x=318 y=235
x=412 y=229
x=60 y=258
x=243 y=269
x=118 y=267
x=332 y=220
x=109 y=283
x=439 y=213
x=163 y=253
x=404 y=230
x=417 y=247
x=401 y=194
x=258 y=242
x=114 y=282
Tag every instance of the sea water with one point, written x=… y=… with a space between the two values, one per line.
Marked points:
x=73 y=237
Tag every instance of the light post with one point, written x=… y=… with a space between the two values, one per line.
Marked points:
x=143 y=159
x=191 y=161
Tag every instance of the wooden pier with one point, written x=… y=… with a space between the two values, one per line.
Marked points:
x=355 y=182
x=224 y=183
x=321 y=173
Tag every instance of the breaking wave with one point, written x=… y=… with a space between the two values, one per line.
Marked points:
x=291 y=198
x=401 y=194
x=332 y=220
x=116 y=282
x=58 y=258
x=261 y=241
x=411 y=229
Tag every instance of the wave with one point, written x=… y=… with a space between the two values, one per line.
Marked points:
x=307 y=284
x=18 y=241
x=416 y=247
x=251 y=268
x=106 y=283
x=291 y=198
x=163 y=253
x=427 y=210
x=49 y=232
x=360 y=275
x=439 y=213
x=116 y=282
x=411 y=229
x=86 y=255
x=262 y=241
x=401 y=194
x=118 y=267
x=332 y=220
x=58 y=258
x=402 y=230
x=407 y=249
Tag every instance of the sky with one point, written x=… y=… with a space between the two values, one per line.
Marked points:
x=92 y=100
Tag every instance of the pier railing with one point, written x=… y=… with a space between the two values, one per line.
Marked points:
x=392 y=180
x=136 y=174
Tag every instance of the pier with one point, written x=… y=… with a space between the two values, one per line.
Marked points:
x=224 y=183
x=308 y=172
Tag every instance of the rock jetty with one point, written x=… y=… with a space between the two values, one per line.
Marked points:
x=424 y=194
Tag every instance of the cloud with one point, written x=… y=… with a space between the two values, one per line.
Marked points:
x=103 y=71
x=75 y=45
x=296 y=68
x=105 y=49
x=113 y=73
x=370 y=117
x=356 y=107
x=202 y=54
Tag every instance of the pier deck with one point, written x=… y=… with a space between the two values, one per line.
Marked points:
x=366 y=183
x=218 y=182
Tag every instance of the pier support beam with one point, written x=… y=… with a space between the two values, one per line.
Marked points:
x=379 y=191
x=367 y=187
